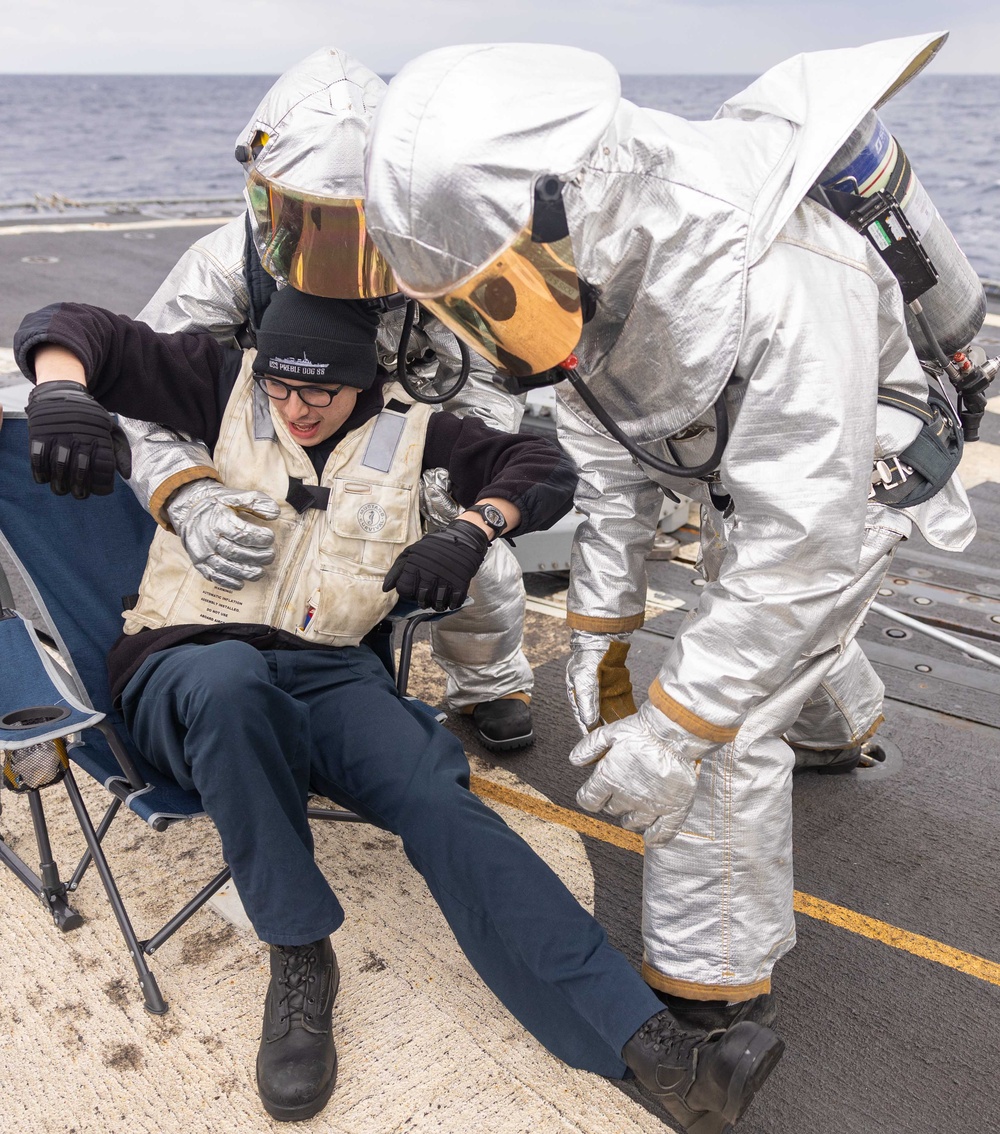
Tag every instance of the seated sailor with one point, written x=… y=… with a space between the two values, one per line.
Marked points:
x=256 y=690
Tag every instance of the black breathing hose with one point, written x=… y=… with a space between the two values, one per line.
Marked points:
x=685 y=472
x=942 y=359
x=964 y=414
x=403 y=376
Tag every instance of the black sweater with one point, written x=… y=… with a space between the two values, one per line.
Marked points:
x=184 y=380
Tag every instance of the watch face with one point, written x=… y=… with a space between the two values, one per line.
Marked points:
x=493 y=516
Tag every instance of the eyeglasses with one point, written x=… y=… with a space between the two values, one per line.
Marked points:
x=317 y=396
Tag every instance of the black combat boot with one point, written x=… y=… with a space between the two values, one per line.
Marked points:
x=710 y=1015
x=504 y=725
x=297 y=1059
x=705 y=1082
x=827 y=761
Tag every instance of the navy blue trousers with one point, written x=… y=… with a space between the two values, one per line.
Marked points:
x=253 y=731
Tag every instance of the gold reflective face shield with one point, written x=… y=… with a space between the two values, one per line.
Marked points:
x=318 y=245
x=522 y=310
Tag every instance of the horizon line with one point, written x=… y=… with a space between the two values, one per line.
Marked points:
x=390 y=74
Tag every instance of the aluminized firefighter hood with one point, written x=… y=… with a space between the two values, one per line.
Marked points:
x=316 y=117
x=303 y=157
x=665 y=215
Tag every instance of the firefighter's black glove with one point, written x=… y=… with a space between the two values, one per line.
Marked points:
x=75 y=444
x=436 y=570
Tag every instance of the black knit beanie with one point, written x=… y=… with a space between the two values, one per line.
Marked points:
x=321 y=341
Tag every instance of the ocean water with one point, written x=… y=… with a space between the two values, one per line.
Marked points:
x=128 y=137
x=111 y=137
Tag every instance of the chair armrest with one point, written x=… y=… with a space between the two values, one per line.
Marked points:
x=36 y=703
x=409 y=615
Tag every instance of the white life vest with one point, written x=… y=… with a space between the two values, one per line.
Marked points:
x=325 y=584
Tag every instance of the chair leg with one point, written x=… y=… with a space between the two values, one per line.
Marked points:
x=51 y=890
x=152 y=998
x=149 y=947
x=20 y=868
x=328 y=815
x=62 y=914
x=102 y=830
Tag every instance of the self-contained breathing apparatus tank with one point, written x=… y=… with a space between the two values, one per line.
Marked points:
x=872 y=161
x=870 y=183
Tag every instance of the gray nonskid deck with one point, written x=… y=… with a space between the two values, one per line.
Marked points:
x=880 y=1041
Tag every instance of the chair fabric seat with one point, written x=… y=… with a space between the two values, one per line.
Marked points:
x=160 y=800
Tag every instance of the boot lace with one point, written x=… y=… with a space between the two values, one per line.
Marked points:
x=671 y=1042
x=299 y=964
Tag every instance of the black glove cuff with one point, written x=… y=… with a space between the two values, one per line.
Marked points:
x=470 y=535
x=47 y=391
x=65 y=405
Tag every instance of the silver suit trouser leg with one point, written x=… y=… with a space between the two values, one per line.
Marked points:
x=717 y=900
x=479 y=648
x=845 y=708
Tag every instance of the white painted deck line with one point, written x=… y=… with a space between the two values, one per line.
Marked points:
x=112 y=226
x=554 y=605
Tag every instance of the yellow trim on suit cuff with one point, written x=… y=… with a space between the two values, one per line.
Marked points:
x=158 y=501
x=694 y=724
x=691 y=990
x=879 y=720
x=597 y=625
x=467 y=710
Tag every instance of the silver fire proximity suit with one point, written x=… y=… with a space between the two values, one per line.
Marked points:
x=319 y=111
x=714 y=276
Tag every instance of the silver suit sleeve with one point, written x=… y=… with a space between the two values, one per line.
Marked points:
x=797 y=469
x=607 y=592
x=163 y=461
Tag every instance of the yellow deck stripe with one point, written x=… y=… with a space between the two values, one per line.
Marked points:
x=840 y=916
x=887 y=934
x=606 y=832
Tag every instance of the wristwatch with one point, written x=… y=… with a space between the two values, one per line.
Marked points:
x=491 y=515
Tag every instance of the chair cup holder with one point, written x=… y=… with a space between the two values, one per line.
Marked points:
x=34 y=716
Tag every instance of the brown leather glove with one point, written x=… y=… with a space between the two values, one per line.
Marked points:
x=598 y=682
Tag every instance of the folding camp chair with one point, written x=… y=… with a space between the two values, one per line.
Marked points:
x=79 y=559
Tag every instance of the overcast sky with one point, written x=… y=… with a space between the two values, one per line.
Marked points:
x=638 y=36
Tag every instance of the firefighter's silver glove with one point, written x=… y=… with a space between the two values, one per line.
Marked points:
x=598 y=684
x=646 y=774
x=226 y=548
